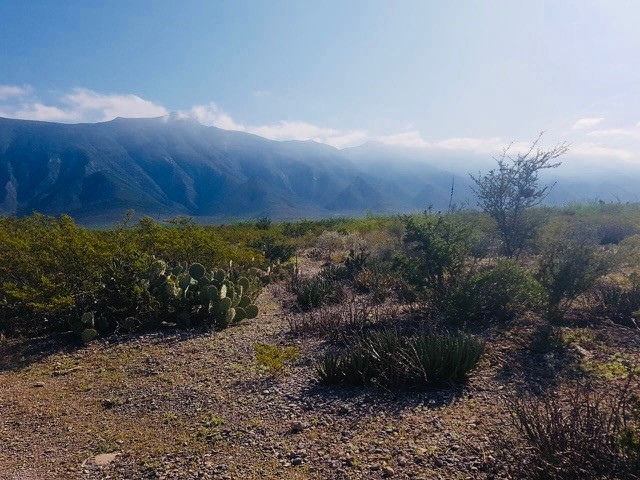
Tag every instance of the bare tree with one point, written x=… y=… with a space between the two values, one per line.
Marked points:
x=507 y=193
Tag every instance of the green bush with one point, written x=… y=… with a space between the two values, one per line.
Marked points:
x=439 y=249
x=498 y=293
x=52 y=271
x=274 y=249
x=569 y=265
x=395 y=361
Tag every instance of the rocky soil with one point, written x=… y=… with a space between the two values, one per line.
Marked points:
x=177 y=405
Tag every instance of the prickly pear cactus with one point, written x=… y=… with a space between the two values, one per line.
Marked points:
x=89 y=334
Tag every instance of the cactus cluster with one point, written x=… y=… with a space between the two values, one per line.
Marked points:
x=85 y=327
x=198 y=296
x=182 y=294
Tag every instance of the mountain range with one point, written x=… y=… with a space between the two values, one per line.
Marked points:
x=170 y=166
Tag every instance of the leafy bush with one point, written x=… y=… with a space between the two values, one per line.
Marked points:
x=439 y=247
x=576 y=434
x=52 y=272
x=274 y=249
x=569 y=266
x=498 y=293
x=395 y=361
x=263 y=223
x=615 y=230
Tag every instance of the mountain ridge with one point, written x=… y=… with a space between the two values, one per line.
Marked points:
x=167 y=166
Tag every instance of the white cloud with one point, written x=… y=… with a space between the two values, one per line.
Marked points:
x=411 y=139
x=478 y=145
x=39 y=111
x=590 y=149
x=616 y=132
x=85 y=105
x=211 y=114
x=588 y=122
x=287 y=130
x=107 y=107
x=10 y=91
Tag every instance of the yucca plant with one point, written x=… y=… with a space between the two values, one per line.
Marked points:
x=392 y=360
x=312 y=292
x=329 y=369
x=444 y=358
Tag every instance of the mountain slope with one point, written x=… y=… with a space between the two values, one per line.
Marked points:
x=168 y=166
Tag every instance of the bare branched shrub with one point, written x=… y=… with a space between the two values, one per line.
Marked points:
x=331 y=243
x=337 y=321
x=579 y=432
x=510 y=191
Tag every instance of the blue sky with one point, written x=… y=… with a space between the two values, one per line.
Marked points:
x=468 y=75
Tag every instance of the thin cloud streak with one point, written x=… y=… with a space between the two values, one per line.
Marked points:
x=85 y=105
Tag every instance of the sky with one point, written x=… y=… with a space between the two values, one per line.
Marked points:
x=460 y=75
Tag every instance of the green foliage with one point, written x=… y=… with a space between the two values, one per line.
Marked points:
x=569 y=265
x=395 y=361
x=274 y=249
x=274 y=358
x=498 y=293
x=439 y=249
x=52 y=269
x=263 y=223
x=621 y=303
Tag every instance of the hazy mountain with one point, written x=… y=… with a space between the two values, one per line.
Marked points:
x=168 y=166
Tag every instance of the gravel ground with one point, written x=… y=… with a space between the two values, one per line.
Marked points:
x=177 y=405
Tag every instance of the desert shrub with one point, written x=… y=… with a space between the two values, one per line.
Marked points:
x=614 y=230
x=380 y=286
x=578 y=433
x=274 y=358
x=438 y=254
x=329 y=243
x=263 y=223
x=395 y=361
x=274 y=249
x=569 y=266
x=49 y=268
x=619 y=302
x=509 y=193
x=55 y=275
x=498 y=293
x=339 y=321
x=629 y=252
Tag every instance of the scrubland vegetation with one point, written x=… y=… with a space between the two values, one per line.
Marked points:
x=300 y=340
x=398 y=305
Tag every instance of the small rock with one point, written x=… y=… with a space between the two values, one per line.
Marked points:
x=296 y=461
x=104 y=459
x=297 y=427
x=38 y=384
x=388 y=472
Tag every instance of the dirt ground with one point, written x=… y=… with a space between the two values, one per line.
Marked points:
x=175 y=405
